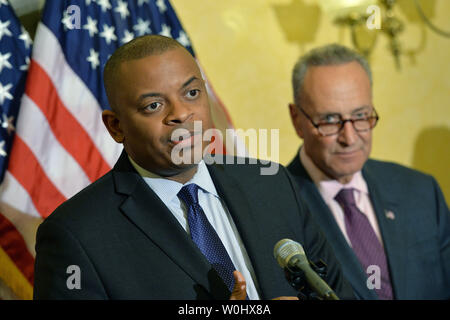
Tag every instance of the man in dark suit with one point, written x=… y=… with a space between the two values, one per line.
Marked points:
x=139 y=232
x=389 y=225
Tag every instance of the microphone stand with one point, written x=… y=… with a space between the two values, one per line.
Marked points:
x=297 y=280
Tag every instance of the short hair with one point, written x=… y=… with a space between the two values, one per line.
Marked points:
x=137 y=48
x=331 y=54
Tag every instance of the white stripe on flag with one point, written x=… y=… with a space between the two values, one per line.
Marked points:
x=73 y=93
x=17 y=207
x=59 y=165
x=14 y=195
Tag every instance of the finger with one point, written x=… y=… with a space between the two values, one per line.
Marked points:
x=286 y=298
x=240 y=287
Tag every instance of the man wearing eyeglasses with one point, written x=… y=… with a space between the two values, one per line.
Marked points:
x=388 y=225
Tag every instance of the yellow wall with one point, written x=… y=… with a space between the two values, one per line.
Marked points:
x=248 y=48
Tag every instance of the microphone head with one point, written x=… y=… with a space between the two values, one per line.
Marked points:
x=285 y=249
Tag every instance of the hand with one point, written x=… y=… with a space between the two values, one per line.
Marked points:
x=240 y=287
x=286 y=298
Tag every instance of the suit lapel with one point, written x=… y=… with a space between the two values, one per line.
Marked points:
x=246 y=222
x=390 y=221
x=144 y=208
x=350 y=264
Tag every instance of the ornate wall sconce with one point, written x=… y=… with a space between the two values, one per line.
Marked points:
x=367 y=19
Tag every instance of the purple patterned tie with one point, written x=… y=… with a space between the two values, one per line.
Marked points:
x=364 y=241
x=205 y=237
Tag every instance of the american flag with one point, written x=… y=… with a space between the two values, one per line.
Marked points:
x=16 y=262
x=61 y=144
x=15 y=51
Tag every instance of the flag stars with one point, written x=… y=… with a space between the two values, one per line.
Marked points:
x=108 y=33
x=161 y=5
x=4 y=61
x=183 y=39
x=165 y=31
x=7 y=123
x=122 y=9
x=67 y=21
x=25 y=66
x=2 y=149
x=141 y=2
x=91 y=26
x=105 y=4
x=128 y=36
x=4 y=93
x=93 y=59
x=4 y=31
x=25 y=37
x=142 y=27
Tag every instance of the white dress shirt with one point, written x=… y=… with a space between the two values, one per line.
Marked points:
x=215 y=210
x=329 y=188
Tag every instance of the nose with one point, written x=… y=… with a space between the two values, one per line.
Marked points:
x=179 y=112
x=348 y=135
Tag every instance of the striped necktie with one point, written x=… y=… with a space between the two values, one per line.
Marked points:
x=205 y=237
x=365 y=243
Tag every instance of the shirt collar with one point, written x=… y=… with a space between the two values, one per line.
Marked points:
x=167 y=189
x=327 y=186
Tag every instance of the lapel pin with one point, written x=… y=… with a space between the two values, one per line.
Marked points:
x=389 y=214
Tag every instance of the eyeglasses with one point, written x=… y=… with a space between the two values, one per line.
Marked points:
x=334 y=124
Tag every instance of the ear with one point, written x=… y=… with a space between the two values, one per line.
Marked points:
x=112 y=123
x=296 y=119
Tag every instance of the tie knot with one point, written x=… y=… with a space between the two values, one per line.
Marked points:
x=345 y=197
x=189 y=194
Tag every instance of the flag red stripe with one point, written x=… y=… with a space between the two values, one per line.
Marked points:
x=15 y=247
x=24 y=166
x=64 y=125
x=216 y=97
x=221 y=106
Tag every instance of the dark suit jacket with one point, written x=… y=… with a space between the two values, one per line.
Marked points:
x=128 y=245
x=417 y=240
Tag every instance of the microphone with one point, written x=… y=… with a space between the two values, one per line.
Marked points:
x=291 y=254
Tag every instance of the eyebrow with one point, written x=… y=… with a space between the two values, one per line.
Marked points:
x=192 y=79
x=362 y=108
x=156 y=94
x=352 y=112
